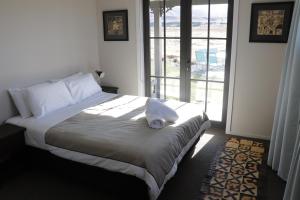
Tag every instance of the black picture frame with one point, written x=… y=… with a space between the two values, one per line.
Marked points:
x=115 y=25
x=278 y=14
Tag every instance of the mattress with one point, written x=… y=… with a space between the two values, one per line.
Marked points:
x=110 y=112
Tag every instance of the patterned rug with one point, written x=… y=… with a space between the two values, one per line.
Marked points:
x=236 y=172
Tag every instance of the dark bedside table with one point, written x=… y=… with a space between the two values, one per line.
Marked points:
x=11 y=141
x=12 y=145
x=109 y=89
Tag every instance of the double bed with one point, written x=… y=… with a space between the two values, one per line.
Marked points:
x=110 y=131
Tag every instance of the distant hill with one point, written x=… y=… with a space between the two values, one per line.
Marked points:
x=174 y=22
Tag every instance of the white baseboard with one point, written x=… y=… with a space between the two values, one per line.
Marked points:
x=263 y=137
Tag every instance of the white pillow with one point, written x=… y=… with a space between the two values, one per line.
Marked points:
x=83 y=87
x=19 y=98
x=48 y=97
x=73 y=76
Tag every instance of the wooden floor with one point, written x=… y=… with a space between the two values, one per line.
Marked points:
x=45 y=178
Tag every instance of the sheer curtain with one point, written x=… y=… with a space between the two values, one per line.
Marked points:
x=285 y=141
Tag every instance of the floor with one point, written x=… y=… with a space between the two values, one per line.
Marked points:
x=49 y=179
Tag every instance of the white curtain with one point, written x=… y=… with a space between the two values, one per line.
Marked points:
x=285 y=141
x=292 y=190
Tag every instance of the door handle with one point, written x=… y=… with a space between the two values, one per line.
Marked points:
x=188 y=62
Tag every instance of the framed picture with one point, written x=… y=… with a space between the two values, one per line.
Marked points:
x=270 y=22
x=115 y=25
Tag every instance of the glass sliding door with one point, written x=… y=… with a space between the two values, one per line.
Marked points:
x=187 y=52
x=209 y=38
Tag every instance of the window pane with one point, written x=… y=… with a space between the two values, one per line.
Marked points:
x=172 y=89
x=157 y=88
x=173 y=18
x=157 y=57
x=218 y=19
x=215 y=101
x=156 y=15
x=217 y=54
x=173 y=58
x=198 y=89
x=199 y=18
x=199 y=59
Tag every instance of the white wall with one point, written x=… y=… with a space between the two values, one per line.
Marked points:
x=42 y=39
x=121 y=60
x=257 y=70
x=257 y=77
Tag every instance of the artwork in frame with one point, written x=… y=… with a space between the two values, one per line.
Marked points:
x=115 y=25
x=270 y=22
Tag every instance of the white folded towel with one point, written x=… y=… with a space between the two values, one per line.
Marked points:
x=157 y=114
x=155 y=121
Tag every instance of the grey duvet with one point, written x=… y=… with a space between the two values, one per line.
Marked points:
x=117 y=130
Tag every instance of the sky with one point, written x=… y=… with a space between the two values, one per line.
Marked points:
x=199 y=12
x=218 y=10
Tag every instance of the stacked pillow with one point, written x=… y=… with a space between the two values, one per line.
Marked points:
x=47 y=97
x=83 y=87
x=18 y=96
x=42 y=99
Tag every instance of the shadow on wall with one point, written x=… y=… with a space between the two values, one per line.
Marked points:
x=6 y=106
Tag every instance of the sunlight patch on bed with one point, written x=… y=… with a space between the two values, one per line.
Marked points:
x=139 y=116
x=204 y=139
x=116 y=113
x=95 y=110
x=116 y=108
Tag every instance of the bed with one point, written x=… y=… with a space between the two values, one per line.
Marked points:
x=110 y=131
